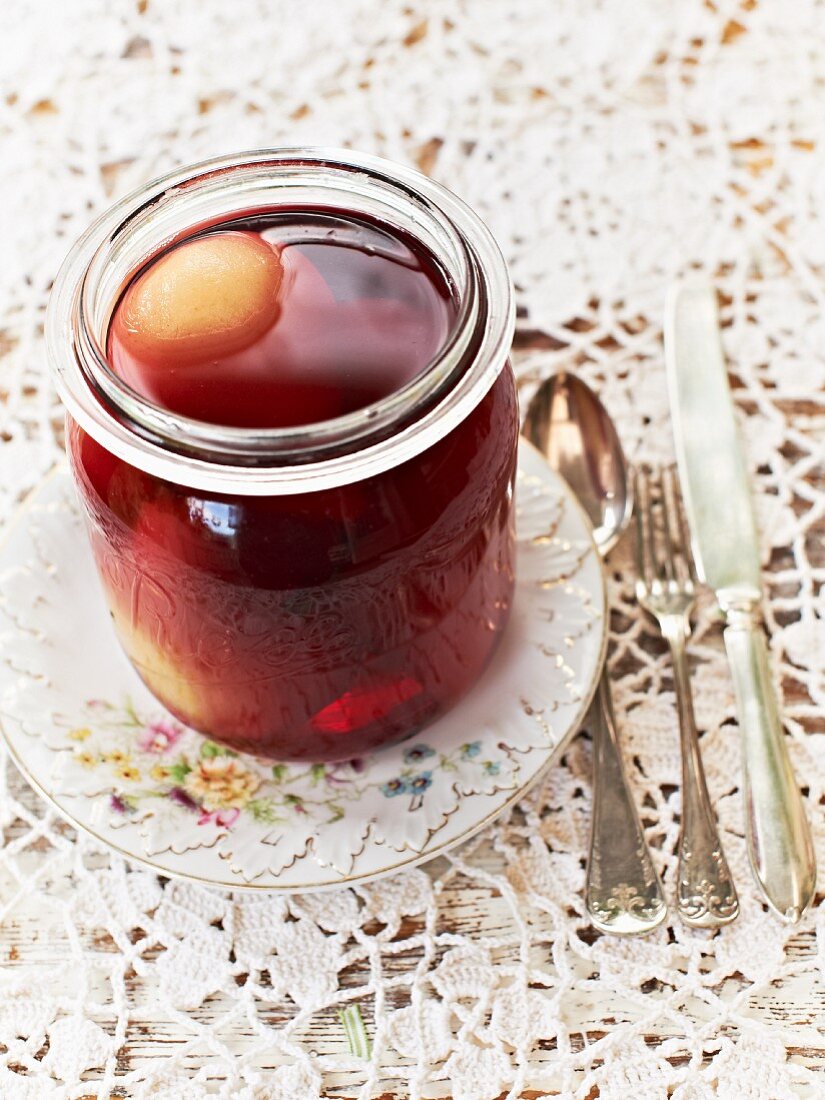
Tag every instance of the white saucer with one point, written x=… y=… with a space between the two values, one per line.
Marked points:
x=92 y=740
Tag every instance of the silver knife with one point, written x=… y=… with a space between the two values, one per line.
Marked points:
x=717 y=499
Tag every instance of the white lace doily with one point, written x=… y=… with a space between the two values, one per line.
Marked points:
x=611 y=145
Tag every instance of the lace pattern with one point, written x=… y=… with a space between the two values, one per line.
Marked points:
x=611 y=145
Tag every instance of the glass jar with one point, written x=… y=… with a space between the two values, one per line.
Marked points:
x=304 y=593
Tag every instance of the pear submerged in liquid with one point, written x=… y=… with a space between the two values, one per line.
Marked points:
x=207 y=298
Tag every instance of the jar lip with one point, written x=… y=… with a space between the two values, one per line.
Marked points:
x=295 y=459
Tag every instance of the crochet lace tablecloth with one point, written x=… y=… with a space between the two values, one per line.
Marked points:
x=611 y=145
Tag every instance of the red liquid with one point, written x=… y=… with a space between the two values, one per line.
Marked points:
x=322 y=625
x=360 y=313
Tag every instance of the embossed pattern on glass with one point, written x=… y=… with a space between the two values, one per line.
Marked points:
x=318 y=625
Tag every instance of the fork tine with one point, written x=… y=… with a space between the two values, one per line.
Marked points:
x=645 y=547
x=670 y=537
x=670 y=480
x=674 y=566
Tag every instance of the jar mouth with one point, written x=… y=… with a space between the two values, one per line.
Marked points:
x=291 y=459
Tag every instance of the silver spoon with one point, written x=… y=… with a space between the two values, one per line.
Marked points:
x=571 y=428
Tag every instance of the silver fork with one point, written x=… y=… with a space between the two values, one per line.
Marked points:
x=666 y=590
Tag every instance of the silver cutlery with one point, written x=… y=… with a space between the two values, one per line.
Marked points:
x=570 y=426
x=718 y=504
x=706 y=896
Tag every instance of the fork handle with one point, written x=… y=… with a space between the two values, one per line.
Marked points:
x=779 y=837
x=624 y=894
x=706 y=895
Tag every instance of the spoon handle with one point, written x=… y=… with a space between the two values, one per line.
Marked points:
x=624 y=895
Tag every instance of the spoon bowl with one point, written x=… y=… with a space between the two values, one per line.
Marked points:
x=573 y=430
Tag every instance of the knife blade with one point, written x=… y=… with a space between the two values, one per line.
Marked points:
x=716 y=489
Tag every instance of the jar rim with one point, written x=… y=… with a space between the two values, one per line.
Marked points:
x=300 y=459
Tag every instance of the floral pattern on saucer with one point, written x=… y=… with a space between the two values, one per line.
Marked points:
x=90 y=736
x=150 y=769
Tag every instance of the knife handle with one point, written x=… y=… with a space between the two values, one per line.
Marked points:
x=779 y=836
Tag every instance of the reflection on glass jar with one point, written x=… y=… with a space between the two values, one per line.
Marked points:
x=304 y=591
